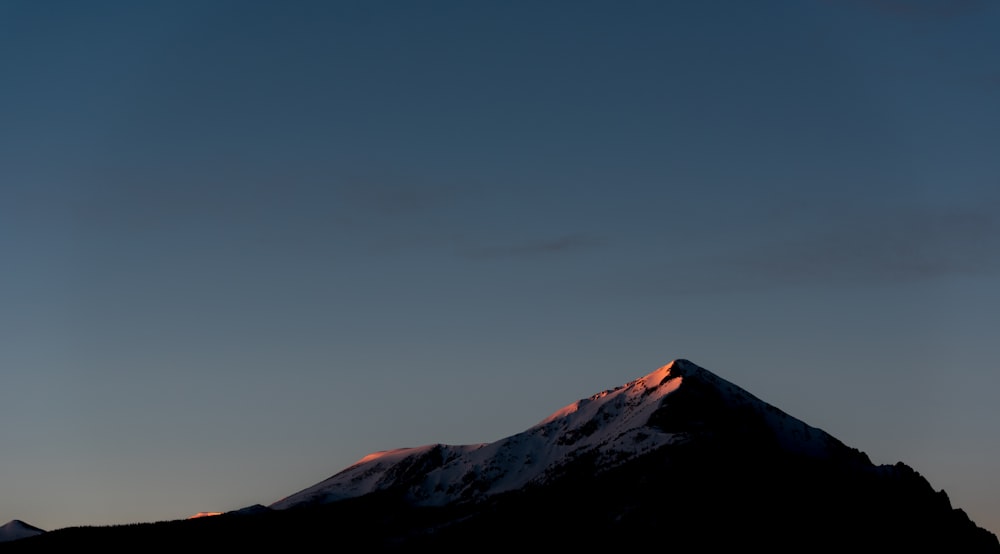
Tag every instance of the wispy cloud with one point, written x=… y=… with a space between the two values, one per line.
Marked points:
x=397 y=214
x=893 y=247
x=889 y=248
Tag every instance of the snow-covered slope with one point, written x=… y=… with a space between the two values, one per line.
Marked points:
x=668 y=406
x=17 y=529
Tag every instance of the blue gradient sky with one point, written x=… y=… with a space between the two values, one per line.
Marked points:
x=246 y=243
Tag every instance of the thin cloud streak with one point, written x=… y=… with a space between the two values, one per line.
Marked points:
x=391 y=216
x=875 y=249
x=886 y=248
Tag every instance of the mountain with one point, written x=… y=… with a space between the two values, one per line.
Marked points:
x=607 y=429
x=678 y=459
x=17 y=529
x=679 y=451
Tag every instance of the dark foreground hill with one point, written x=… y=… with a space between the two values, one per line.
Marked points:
x=678 y=459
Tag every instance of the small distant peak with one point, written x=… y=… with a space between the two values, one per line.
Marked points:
x=17 y=529
x=17 y=523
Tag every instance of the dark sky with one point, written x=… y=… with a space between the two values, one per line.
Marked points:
x=246 y=243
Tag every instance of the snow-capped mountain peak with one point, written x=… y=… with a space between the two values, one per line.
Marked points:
x=661 y=408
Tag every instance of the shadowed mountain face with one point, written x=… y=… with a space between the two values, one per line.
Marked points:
x=679 y=458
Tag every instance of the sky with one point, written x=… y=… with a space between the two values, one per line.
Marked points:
x=244 y=244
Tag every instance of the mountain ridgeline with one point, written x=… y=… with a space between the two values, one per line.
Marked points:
x=679 y=458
